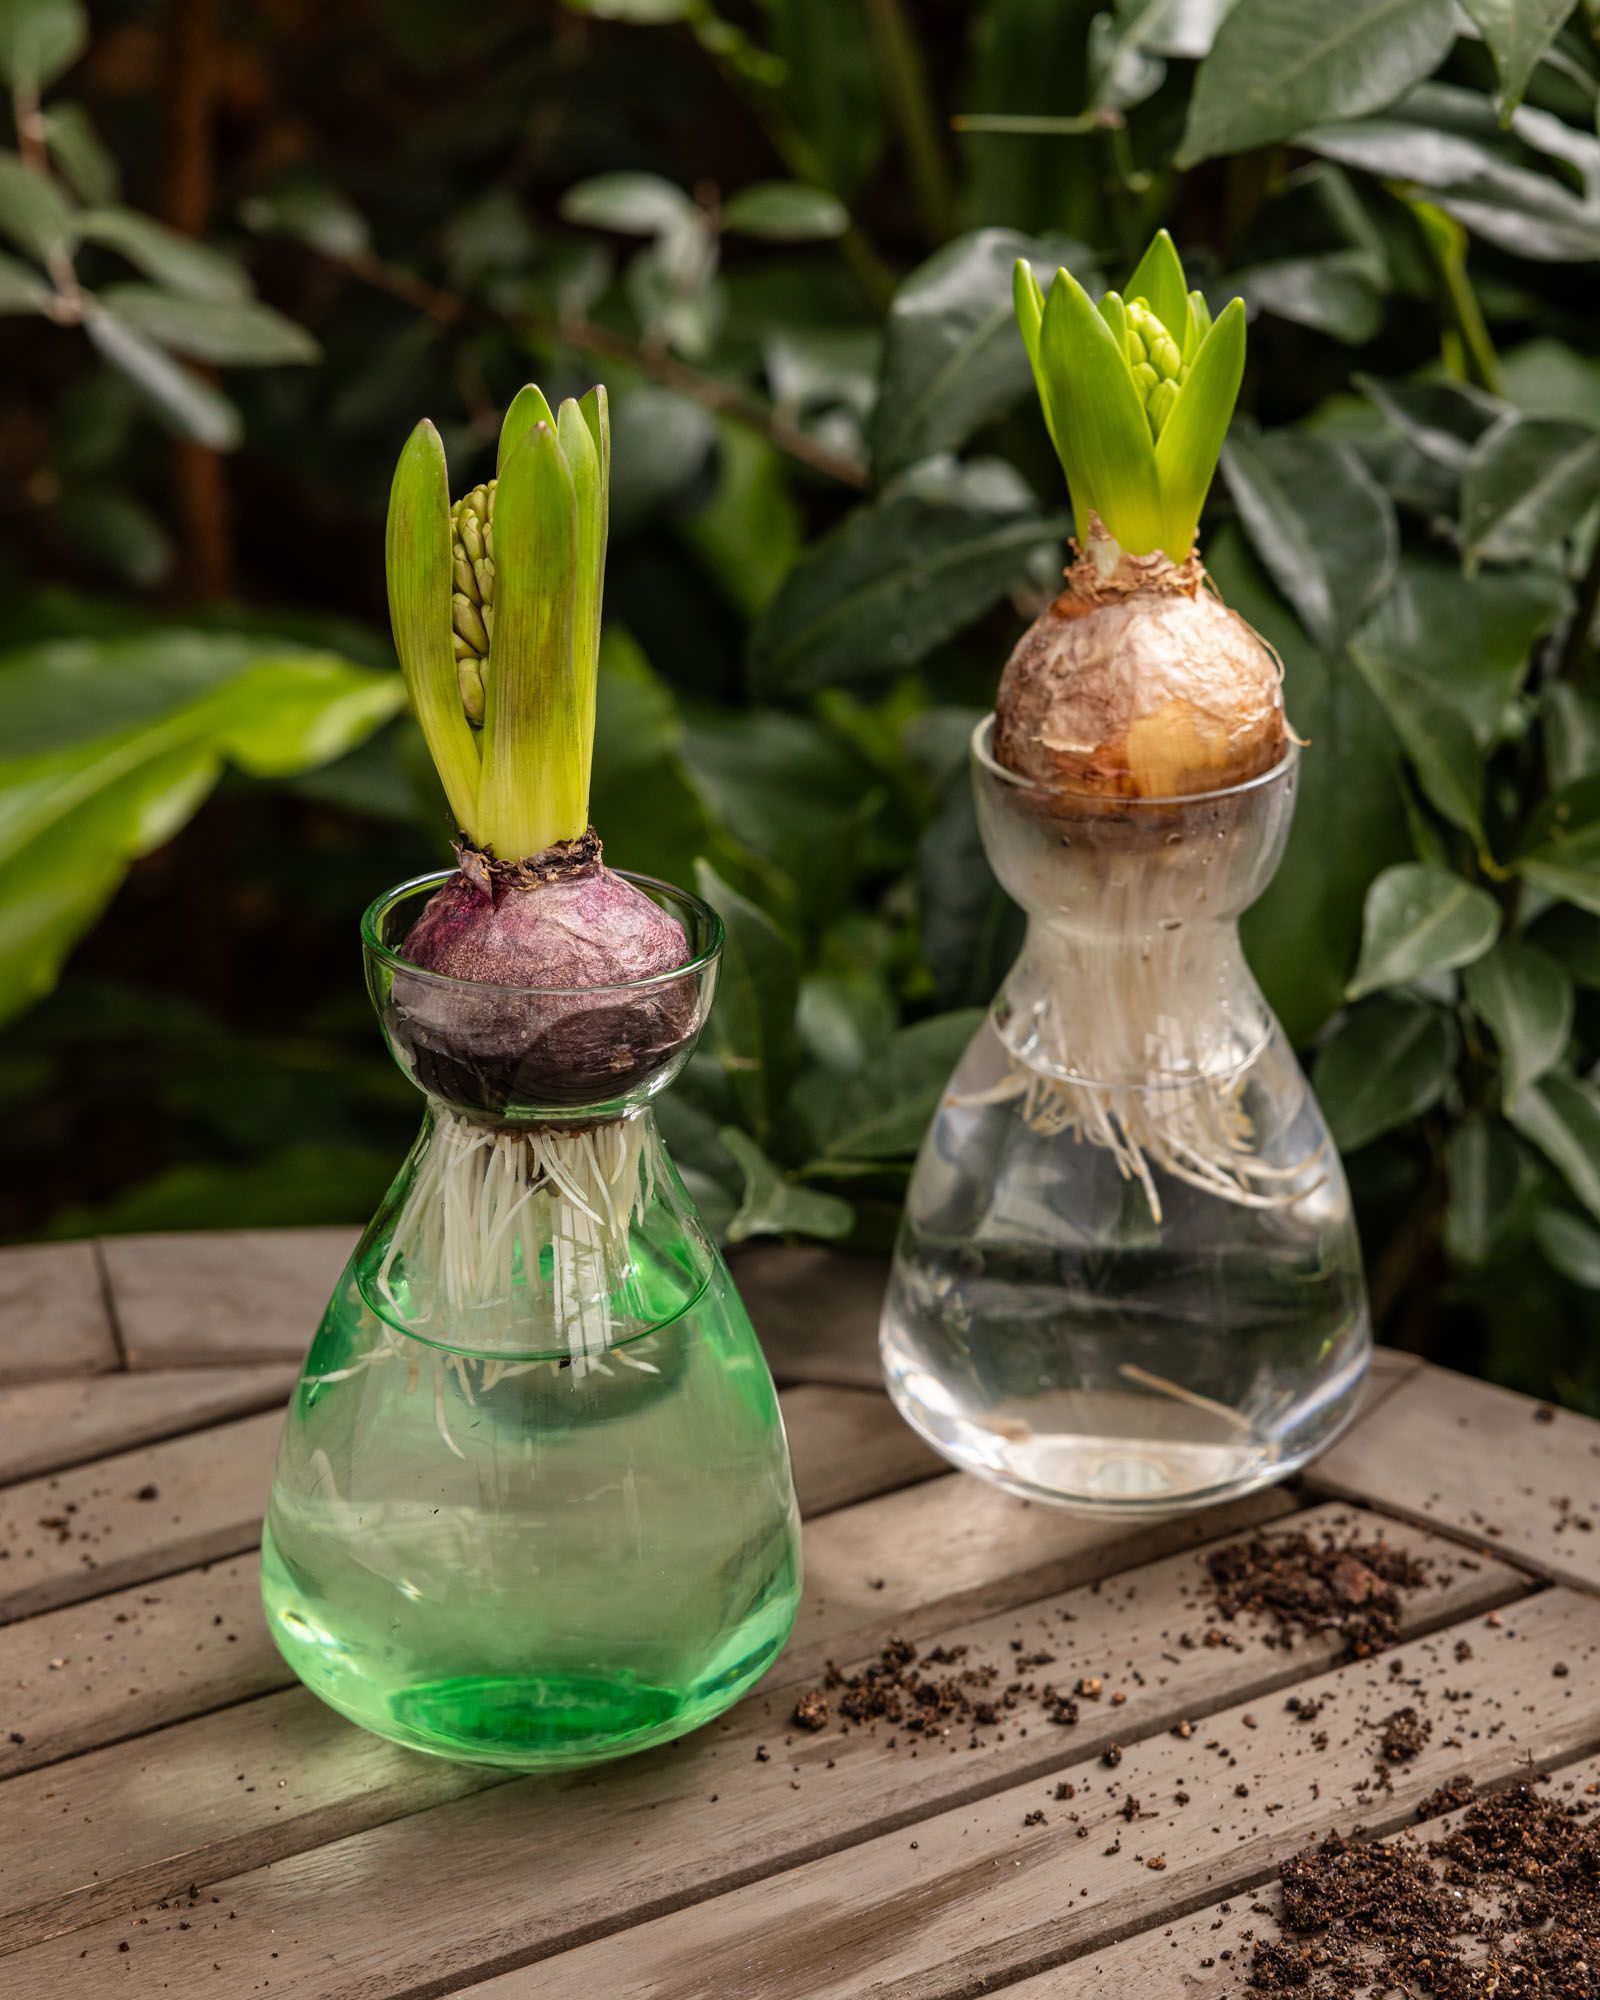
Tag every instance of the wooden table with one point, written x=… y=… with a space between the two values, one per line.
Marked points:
x=177 y=1816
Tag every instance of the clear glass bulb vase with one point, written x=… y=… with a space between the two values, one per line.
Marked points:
x=532 y=1505
x=1128 y=1277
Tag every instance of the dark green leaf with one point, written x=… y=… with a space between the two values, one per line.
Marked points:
x=38 y=40
x=1529 y=482
x=1518 y=33
x=843 y=1015
x=114 y=532
x=1349 y=816
x=1419 y=920
x=882 y=1111
x=34 y=213
x=1490 y=1180
x=1571 y=733
x=1571 y=1244
x=1339 y=292
x=830 y=88
x=1325 y=531
x=952 y=358
x=1277 y=66
x=899 y=576
x=79 y=156
x=785 y=212
x=313 y=212
x=240 y=332
x=773 y=1205
x=751 y=1030
x=971 y=929
x=21 y=289
x=1527 y=999
x=1498 y=184
x=1443 y=420
x=1386 y=1064
x=188 y=403
x=1437 y=738
x=1563 y=851
x=748 y=533
x=1562 y=1118
x=633 y=204
x=177 y=263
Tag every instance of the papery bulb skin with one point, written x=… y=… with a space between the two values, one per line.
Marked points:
x=1139 y=683
x=539 y=949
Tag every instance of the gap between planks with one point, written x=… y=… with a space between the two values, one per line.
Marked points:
x=1184 y=1960
x=579 y=1838
x=982 y=1898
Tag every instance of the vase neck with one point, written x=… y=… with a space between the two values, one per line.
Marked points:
x=535 y=1241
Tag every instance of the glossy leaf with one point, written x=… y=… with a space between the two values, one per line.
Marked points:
x=176 y=263
x=952 y=360
x=1527 y=999
x=1561 y=1116
x=774 y=1205
x=1490 y=1180
x=785 y=212
x=751 y=1029
x=1191 y=439
x=631 y=203
x=1321 y=525
x=1571 y=1244
x=1499 y=185
x=231 y=331
x=1277 y=66
x=882 y=1111
x=189 y=403
x=1390 y=1061
x=1563 y=852
x=899 y=576
x=1338 y=292
x=1518 y=33
x=1528 y=483
x=1421 y=919
x=38 y=40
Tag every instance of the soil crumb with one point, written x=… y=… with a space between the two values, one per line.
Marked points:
x=1350 y=1587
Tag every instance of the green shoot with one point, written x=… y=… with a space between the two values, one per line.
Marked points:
x=496 y=612
x=1137 y=395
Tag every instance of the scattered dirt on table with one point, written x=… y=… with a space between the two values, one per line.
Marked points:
x=1403 y=1736
x=1507 y=1904
x=1303 y=1586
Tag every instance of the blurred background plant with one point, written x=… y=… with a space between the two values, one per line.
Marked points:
x=782 y=232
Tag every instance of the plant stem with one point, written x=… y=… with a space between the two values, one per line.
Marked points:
x=904 y=78
x=723 y=399
x=1446 y=244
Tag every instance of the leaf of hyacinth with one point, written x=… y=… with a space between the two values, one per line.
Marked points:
x=1191 y=440
x=1102 y=431
x=532 y=791
x=596 y=411
x=529 y=406
x=417 y=556
x=583 y=462
x=1197 y=325
x=1028 y=299
x=1158 y=279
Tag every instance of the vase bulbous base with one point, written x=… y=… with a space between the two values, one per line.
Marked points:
x=527 y=1564
x=1116 y=1340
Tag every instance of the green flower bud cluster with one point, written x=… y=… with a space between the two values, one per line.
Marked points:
x=472 y=603
x=1157 y=363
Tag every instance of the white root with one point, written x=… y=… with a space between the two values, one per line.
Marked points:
x=517 y=1234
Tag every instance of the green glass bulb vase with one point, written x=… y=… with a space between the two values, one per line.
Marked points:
x=533 y=1505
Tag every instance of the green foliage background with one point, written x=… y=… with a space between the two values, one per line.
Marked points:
x=247 y=247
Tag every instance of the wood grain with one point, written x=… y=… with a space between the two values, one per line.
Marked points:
x=847 y=1444
x=704 y=1813
x=1495 y=1467
x=47 y=1425
x=1207 y=1956
x=138 y=1514
x=815 y=1310
x=53 y=1316
x=225 y=1296
x=93 y=1673
x=982 y=1897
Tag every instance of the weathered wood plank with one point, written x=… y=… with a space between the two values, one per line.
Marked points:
x=816 y=1310
x=604 y=1846
x=1207 y=1956
x=962 y=1902
x=847 y=1444
x=222 y=1296
x=116 y=1666
x=53 y=1317
x=1495 y=1467
x=138 y=1514
x=47 y=1425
